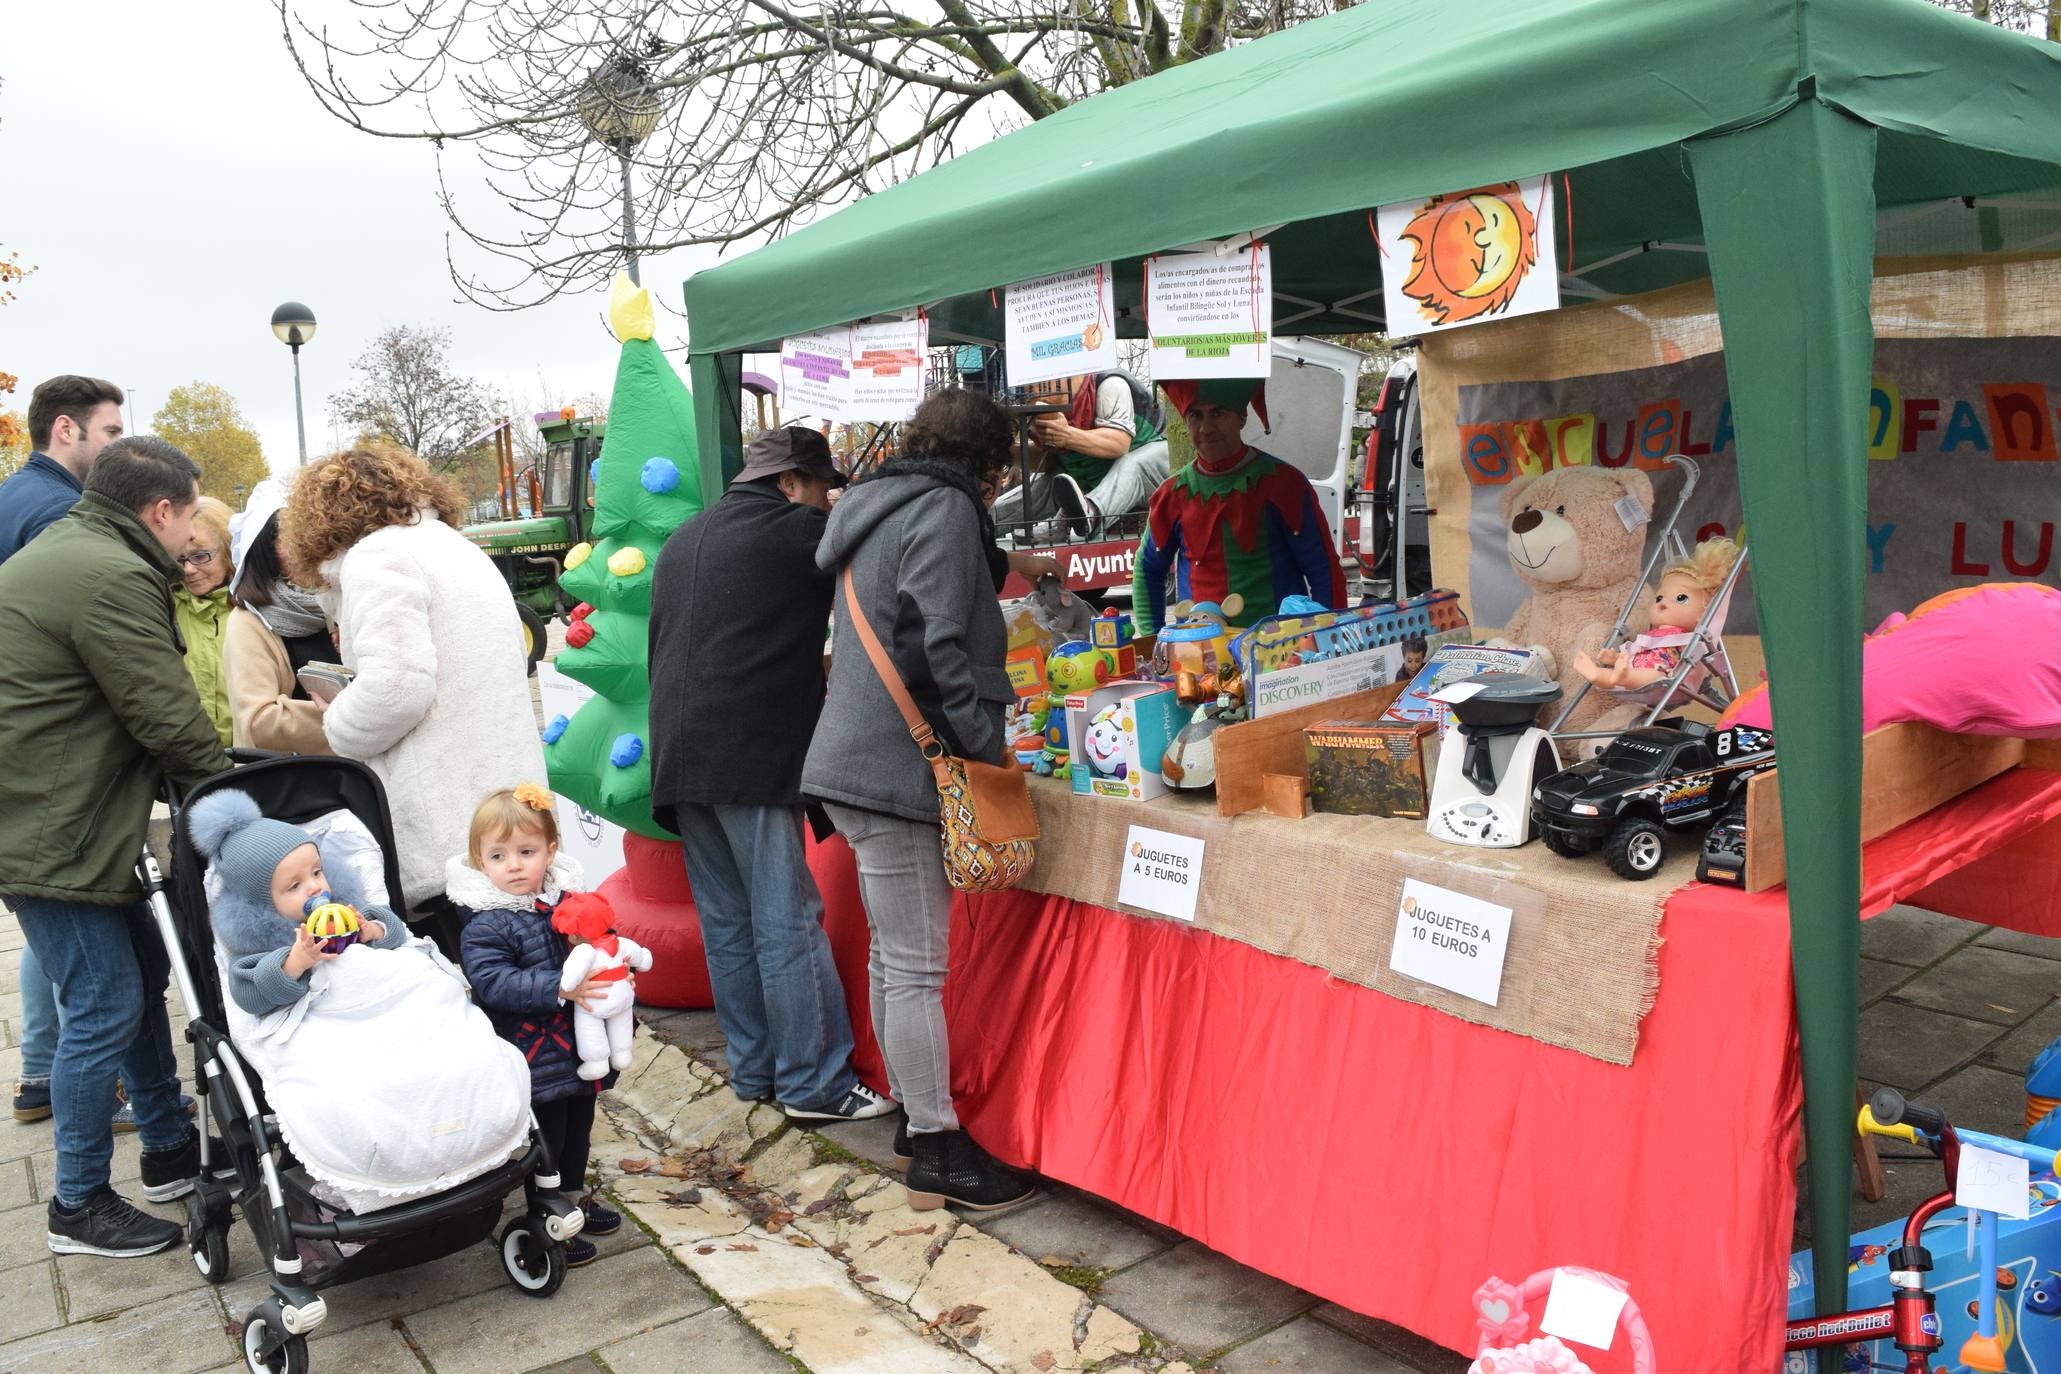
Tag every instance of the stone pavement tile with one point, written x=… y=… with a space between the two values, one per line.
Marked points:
x=715 y=1342
x=1413 y=1350
x=20 y=1139
x=2016 y=1051
x=579 y=1364
x=1986 y=984
x=10 y=1063
x=1907 y=1047
x=871 y=1140
x=1021 y=1318
x=1202 y=1300
x=94 y=1287
x=1308 y=1346
x=1879 y=976
x=22 y=1233
x=475 y=1269
x=802 y=1300
x=177 y=1335
x=363 y=1350
x=697 y=1032
x=1910 y=935
x=1983 y=1100
x=16 y=1188
x=888 y=1246
x=2017 y=941
x=28 y=1301
x=1070 y=1228
x=1906 y=1183
x=492 y=1333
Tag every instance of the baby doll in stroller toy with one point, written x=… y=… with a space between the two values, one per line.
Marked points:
x=276 y=916
x=602 y=1031
x=1686 y=587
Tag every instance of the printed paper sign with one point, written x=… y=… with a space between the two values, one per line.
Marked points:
x=1210 y=315
x=1060 y=326
x=1994 y=1182
x=1468 y=256
x=1579 y=1308
x=596 y=843
x=1450 y=940
x=1162 y=872
x=1284 y=689
x=816 y=374
x=888 y=365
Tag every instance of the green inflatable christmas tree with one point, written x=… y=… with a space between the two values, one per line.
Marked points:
x=649 y=480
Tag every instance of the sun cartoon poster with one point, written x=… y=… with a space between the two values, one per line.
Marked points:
x=1462 y=257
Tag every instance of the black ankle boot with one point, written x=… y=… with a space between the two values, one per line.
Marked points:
x=903 y=1151
x=949 y=1167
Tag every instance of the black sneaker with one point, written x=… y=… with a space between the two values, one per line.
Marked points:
x=111 y=1226
x=859 y=1103
x=578 y=1251
x=601 y=1221
x=169 y=1174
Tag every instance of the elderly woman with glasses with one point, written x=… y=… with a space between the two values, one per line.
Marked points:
x=201 y=603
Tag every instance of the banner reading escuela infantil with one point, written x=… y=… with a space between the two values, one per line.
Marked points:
x=1964 y=485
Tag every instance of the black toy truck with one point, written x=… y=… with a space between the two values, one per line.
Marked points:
x=1645 y=783
x=1724 y=847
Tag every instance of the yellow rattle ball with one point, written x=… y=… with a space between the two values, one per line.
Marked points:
x=334 y=924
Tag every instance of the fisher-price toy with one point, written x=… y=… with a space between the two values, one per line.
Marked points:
x=334 y=925
x=1501 y=1312
x=1196 y=643
x=601 y=1034
x=1104 y=746
x=1076 y=666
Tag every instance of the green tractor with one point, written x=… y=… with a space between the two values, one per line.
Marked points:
x=558 y=498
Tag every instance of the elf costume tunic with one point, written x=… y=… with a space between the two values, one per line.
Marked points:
x=1253 y=528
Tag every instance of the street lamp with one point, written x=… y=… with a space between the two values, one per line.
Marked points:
x=294 y=323
x=620 y=108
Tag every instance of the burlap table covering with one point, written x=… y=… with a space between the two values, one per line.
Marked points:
x=1579 y=971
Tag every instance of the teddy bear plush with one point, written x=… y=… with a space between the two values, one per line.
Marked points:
x=1571 y=546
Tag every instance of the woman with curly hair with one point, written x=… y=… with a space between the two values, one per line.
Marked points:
x=440 y=707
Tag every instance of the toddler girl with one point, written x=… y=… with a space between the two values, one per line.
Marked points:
x=505 y=888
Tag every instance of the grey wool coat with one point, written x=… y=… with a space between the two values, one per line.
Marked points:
x=919 y=558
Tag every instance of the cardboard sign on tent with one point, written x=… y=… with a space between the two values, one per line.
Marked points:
x=1751 y=141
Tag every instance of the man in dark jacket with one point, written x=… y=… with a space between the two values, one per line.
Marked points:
x=70 y=420
x=96 y=707
x=738 y=615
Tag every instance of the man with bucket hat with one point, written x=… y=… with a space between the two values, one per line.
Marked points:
x=739 y=611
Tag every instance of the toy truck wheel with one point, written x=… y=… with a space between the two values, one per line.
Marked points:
x=536 y=636
x=1636 y=848
x=1561 y=845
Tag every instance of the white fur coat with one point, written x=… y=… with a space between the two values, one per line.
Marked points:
x=440 y=708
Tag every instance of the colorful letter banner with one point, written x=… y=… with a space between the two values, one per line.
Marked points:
x=1467 y=256
x=1210 y=314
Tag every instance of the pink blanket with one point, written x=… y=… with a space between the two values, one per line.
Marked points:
x=1979 y=661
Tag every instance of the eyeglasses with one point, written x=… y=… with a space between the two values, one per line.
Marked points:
x=199 y=559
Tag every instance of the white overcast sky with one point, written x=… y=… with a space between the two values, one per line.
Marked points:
x=173 y=180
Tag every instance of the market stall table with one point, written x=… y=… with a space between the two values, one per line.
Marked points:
x=1390 y=1157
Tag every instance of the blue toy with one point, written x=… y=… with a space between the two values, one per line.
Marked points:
x=2042 y=1095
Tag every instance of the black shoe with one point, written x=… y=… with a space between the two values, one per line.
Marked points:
x=858 y=1104
x=903 y=1152
x=949 y=1167
x=578 y=1251
x=32 y=1100
x=601 y=1221
x=169 y=1174
x=109 y=1225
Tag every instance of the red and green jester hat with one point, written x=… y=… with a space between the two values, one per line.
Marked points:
x=1234 y=520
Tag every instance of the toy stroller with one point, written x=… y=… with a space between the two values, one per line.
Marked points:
x=309 y=1246
x=1701 y=670
x=1501 y=1311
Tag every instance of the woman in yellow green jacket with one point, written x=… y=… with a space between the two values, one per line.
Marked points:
x=202 y=607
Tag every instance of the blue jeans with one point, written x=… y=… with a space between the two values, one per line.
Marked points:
x=111 y=970
x=38 y=1019
x=777 y=995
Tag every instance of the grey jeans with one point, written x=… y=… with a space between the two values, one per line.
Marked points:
x=909 y=907
x=1131 y=480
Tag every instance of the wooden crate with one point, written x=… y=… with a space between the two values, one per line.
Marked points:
x=1250 y=750
x=1906 y=770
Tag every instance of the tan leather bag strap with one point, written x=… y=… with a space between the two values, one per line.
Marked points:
x=919 y=728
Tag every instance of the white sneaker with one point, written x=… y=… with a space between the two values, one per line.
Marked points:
x=859 y=1104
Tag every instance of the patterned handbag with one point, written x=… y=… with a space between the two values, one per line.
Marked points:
x=989 y=829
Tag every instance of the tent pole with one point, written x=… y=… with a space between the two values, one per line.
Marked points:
x=1788 y=212
x=718 y=380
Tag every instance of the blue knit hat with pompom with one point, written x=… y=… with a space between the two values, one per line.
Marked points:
x=246 y=848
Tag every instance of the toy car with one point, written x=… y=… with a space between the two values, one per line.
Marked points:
x=1647 y=782
x=1724 y=848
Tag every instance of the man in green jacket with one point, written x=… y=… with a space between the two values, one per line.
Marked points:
x=96 y=708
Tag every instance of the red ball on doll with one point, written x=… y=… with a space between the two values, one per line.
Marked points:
x=578 y=634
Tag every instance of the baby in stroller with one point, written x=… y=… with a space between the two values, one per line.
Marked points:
x=339 y=1037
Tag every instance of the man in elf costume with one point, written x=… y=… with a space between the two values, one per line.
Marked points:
x=1234 y=520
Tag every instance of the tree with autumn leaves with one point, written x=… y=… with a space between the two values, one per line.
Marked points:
x=204 y=422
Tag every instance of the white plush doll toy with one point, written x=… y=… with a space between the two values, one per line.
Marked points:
x=601 y=1035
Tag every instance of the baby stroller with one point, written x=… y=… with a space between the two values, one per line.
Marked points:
x=260 y=1178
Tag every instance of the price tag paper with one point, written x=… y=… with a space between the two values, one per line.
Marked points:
x=1994 y=1182
x=1162 y=872
x=1450 y=940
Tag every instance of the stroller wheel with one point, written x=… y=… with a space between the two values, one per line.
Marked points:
x=290 y=1358
x=534 y=1261
x=209 y=1246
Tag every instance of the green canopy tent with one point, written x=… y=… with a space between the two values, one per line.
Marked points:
x=1753 y=141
